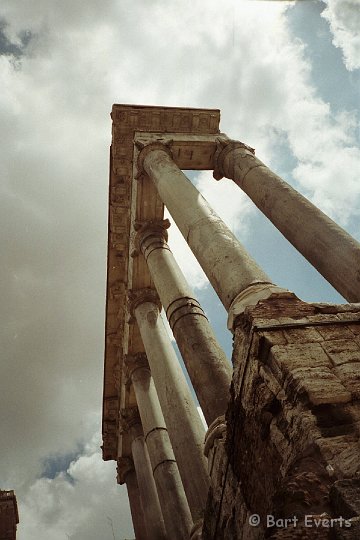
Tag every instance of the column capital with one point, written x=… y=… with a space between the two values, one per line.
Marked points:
x=146 y=149
x=214 y=441
x=254 y=293
x=140 y=296
x=125 y=465
x=223 y=147
x=130 y=417
x=154 y=228
x=156 y=225
x=134 y=362
x=216 y=430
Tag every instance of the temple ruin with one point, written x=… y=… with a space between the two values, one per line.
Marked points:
x=284 y=414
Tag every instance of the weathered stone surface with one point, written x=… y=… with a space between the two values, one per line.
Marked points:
x=349 y=374
x=293 y=422
x=291 y=357
x=319 y=385
x=303 y=335
x=355 y=328
x=351 y=533
x=332 y=331
x=342 y=351
x=9 y=517
x=345 y=497
x=175 y=509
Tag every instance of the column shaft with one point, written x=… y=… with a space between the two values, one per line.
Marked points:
x=173 y=502
x=206 y=363
x=226 y=263
x=182 y=419
x=330 y=249
x=126 y=475
x=137 y=513
x=154 y=522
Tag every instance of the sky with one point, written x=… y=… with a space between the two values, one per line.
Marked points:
x=286 y=78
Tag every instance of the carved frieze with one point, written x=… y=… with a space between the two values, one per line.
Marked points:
x=125 y=465
x=167 y=119
x=119 y=240
x=117 y=375
x=120 y=193
x=134 y=362
x=129 y=417
x=118 y=219
x=111 y=408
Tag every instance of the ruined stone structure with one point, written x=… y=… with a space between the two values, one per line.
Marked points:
x=9 y=516
x=280 y=458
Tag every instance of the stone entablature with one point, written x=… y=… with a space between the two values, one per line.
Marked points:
x=191 y=136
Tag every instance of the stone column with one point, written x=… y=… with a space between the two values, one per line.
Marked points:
x=154 y=521
x=331 y=250
x=186 y=430
x=127 y=475
x=206 y=363
x=230 y=269
x=173 y=502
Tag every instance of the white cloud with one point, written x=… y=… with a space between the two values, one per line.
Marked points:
x=84 y=505
x=324 y=145
x=224 y=197
x=343 y=17
x=185 y=257
x=275 y=91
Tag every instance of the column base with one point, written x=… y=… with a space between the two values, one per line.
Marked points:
x=249 y=297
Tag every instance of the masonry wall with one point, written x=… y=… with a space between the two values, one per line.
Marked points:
x=8 y=515
x=291 y=448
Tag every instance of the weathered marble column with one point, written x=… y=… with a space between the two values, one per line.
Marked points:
x=127 y=475
x=154 y=521
x=182 y=419
x=206 y=363
x=330 y=249
x=173 y=502
x=230 y=269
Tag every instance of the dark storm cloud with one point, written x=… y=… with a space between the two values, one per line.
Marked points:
x=8 y=48
x=56 y=464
